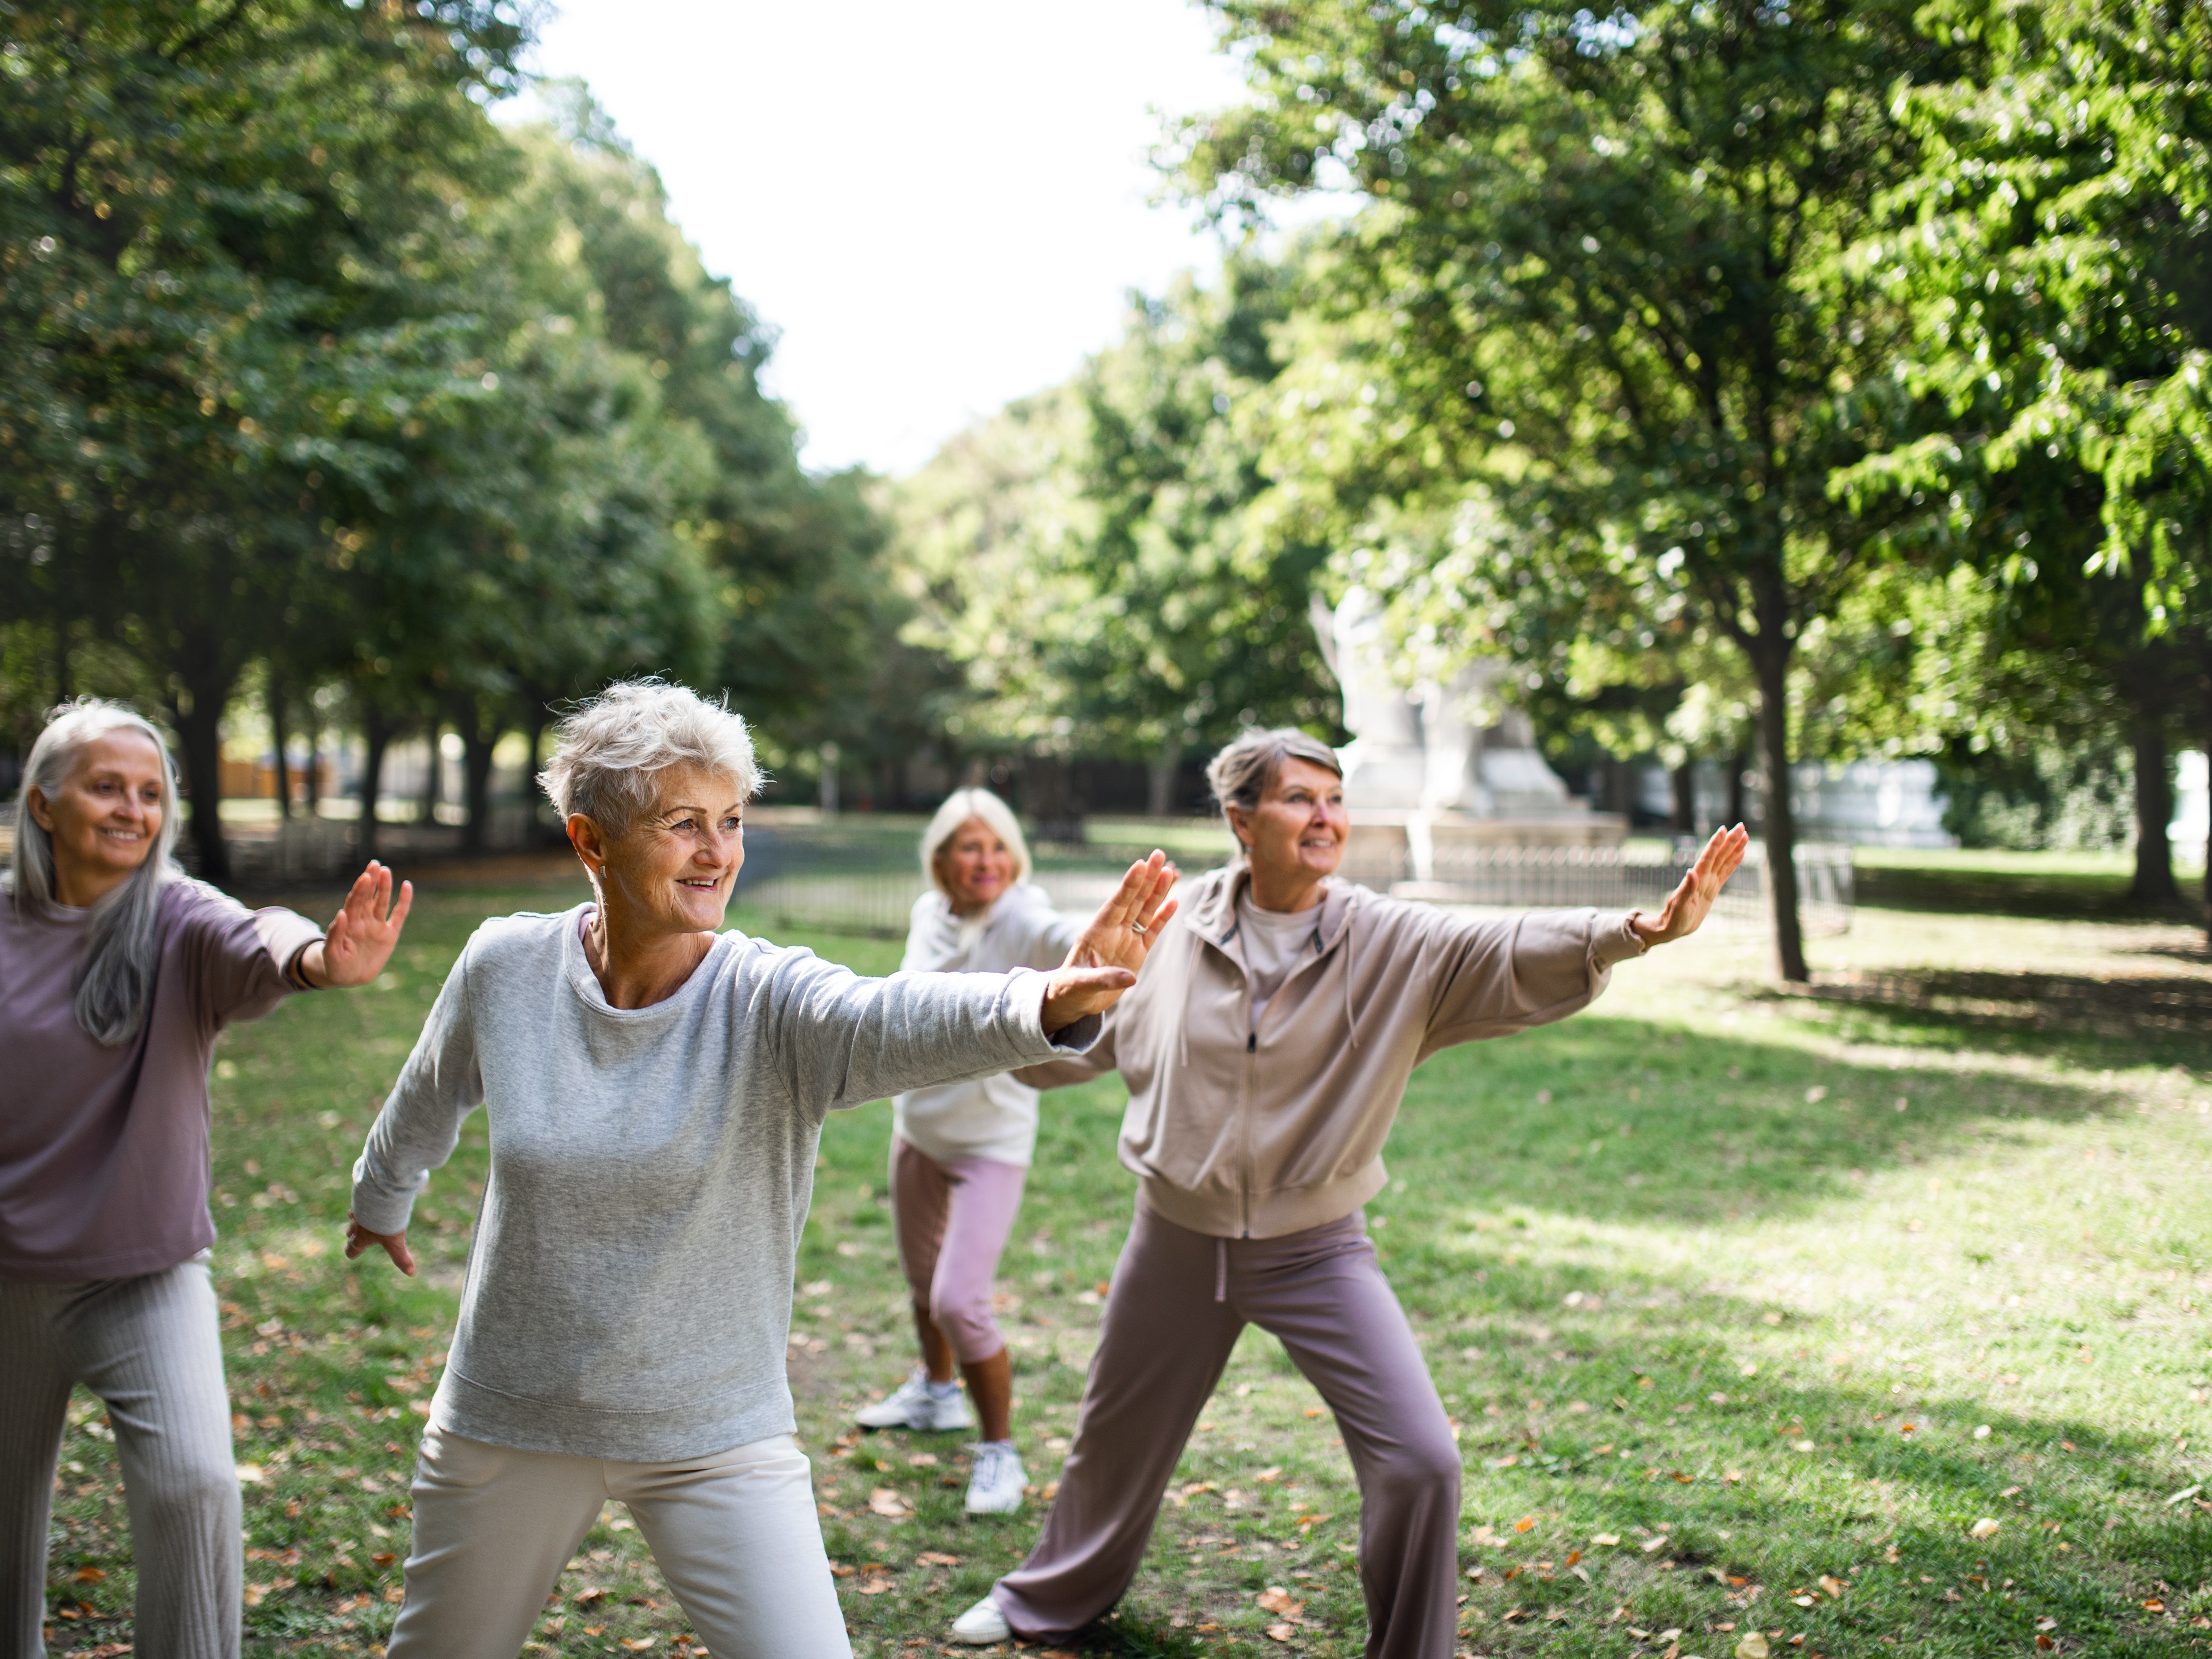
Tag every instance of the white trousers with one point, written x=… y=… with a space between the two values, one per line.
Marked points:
x=734 y=1533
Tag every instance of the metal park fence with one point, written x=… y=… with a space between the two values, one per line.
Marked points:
x=859 y=877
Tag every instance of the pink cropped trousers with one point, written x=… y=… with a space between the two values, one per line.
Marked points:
x=953 y=1220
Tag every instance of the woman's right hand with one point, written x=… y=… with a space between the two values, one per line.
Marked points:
x=359 y=1238
x=1103 y=962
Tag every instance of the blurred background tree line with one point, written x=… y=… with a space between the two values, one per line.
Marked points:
x=1765 y=381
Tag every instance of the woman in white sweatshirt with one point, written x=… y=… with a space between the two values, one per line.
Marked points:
x=961 y=1153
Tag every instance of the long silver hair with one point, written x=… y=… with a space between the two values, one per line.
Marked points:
x=122 y=944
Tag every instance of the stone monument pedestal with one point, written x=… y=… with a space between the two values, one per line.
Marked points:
x=1388 y=845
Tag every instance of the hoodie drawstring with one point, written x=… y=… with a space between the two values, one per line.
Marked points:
x=1221 y=1270
x=1349 y=932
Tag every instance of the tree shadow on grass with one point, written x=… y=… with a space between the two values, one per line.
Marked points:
x=1617 y=1120
x=2115 y=1020
x=2047 y=896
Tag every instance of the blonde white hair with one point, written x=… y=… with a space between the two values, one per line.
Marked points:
x=961 y=805
x=614 y=747
x=122 y=944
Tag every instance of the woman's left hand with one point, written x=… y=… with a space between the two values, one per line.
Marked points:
x=1687 y=904
x=361 y=936
x=1104 y=960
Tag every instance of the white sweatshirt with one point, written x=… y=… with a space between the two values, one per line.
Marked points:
x=994 y=1117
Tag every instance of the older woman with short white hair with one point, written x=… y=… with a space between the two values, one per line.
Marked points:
x=960 y=1153
x=118 y=973
x=655 y=1091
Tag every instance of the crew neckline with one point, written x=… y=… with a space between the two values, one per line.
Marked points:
x=592 y=995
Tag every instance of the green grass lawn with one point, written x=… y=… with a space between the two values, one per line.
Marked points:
x=1866 y=1319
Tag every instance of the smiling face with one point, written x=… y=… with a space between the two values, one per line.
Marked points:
x=106 y=816
x=1296 y=834
x=673 y=870
x=975 y=866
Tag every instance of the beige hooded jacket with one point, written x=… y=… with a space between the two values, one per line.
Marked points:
x=1245 y=1134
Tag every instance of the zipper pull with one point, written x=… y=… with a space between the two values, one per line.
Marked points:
x=1252 y=1044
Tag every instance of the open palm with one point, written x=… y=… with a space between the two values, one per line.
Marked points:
x=363 y=933
x=1690 y=902
x=1104 y=959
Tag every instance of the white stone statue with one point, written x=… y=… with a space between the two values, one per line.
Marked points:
x=1436 y=749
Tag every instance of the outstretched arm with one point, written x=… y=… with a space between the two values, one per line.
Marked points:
x=362 y=938
x=1689 y=904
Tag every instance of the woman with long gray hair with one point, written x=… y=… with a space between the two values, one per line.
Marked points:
x=1266 y=1052
x=117 y=975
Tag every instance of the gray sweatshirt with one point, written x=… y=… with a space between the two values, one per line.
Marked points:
x=628 y=1291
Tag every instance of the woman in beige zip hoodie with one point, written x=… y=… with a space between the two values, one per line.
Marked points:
x=1266 y=1052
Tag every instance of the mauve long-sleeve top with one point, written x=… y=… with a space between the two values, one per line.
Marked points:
x=104 y=1152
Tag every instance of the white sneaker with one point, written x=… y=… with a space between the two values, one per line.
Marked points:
x=981 y=1625
x=994 y=1485
x=912 y=1405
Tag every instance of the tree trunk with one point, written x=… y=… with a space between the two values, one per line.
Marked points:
x=1772 y=666
x=1684 y=780
x=376 y=738
x=2154 y=883
x=275 y=693
x=476 y=762
x=313 y=781
x=427 y=811
x=197 y=713
x=535 y=765
x=1738 y=765
x=1160 y=777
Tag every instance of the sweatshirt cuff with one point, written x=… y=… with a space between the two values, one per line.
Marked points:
x=284 y=934
x=375 y=1206
x=1613 y=940
x=1029 y=997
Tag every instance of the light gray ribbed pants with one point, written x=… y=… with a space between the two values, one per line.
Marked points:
x=150 y=1349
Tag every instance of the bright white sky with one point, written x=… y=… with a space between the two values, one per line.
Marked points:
x=941 y=205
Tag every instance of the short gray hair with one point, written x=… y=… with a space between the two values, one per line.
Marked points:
x=613 y=748
x=961 y=805
x=123 y=945
x=1241 y=772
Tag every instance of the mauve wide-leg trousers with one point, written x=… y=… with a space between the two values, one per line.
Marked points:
x=1177 y=1303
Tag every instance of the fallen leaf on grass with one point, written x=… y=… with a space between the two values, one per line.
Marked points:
x=2153 y=1604
x=249 y=1474
x=839 y=1570
x=640 y=1643
x=875 y=1586
x=585 y=1597
x=1752 y=1646
x=1805 y=1601
x=1605 y=1538
x=257 y=1594
x=1652 y=1547
x=923 y=1461
x=1280 y=1633
x=936 y=1558
x=90 y=1575
x=2045 y=1642
x=884 y=1502
x=1526 y=1523
x=1984 y=1527
x=1276 y=1599
x=1833 y=1586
